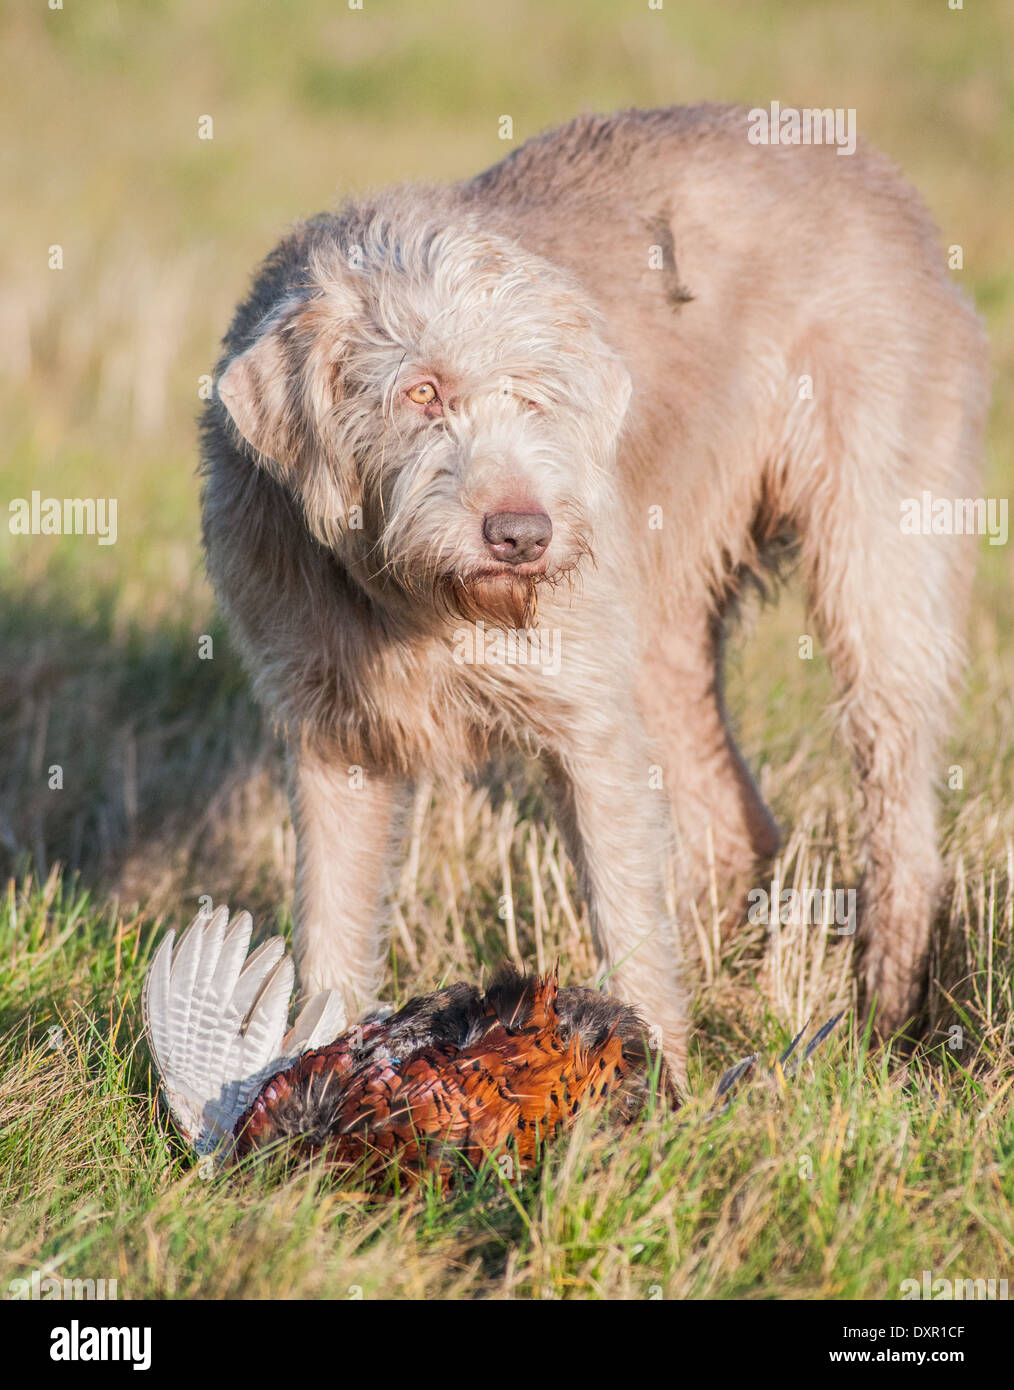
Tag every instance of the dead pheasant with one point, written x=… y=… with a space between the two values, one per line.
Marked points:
x=455 y=1074
x=458 y=1074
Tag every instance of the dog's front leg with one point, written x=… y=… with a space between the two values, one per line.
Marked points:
x=346 y=819
x=616 y=828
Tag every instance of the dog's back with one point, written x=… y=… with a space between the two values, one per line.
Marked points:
x=758 y=294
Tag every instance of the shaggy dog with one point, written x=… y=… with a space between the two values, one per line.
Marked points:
x=585 y=396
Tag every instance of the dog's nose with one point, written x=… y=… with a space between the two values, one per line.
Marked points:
x=517 y=536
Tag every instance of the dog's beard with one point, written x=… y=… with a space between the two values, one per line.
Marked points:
x=509 y=600
x=502 y=597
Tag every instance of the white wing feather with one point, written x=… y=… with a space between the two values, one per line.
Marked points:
x=215 y=1019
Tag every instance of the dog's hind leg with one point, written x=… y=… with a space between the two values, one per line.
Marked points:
x=705 y=774
x=890 y=605
x=893 y=647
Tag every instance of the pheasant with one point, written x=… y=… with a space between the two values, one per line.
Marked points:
x=457 y=1075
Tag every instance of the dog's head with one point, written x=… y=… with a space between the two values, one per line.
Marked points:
x=443 y=407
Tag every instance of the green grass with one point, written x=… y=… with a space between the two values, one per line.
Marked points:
x=869 y=1169
x=839 y=1185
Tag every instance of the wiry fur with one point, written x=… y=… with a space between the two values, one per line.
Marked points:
x=528 y=293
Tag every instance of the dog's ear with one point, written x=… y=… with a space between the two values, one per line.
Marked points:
x=617 y=386
x=262 y=390
x=593 y=372
x=282 y=392
x=601 y=376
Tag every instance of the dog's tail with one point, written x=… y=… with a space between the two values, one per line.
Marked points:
x=215 y=1019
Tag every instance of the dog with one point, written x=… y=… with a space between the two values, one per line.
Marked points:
x=590 y=392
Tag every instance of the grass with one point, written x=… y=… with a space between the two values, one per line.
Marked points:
x=867 y=1170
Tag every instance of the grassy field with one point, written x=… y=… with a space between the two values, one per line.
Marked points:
x=865 y=1173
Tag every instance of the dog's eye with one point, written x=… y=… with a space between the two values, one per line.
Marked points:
x=423 y=394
